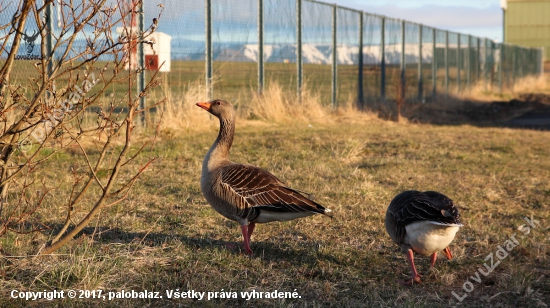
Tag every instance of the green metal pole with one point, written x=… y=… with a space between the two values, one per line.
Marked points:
x=334 y=56
x=260 y=46
x=383 y=59
x=514 y=64
x=447 y=62
x=458 y=64
x=141 y=63
x=208 y=47
x=477 y=60
x=402 y=87
x=299 y=47
x=49 y=37
x=434 y=63
x=420 y=80
x=488 y=66
x=501 y=69
x=360 y=97
x=469 y=64
x=541 y=61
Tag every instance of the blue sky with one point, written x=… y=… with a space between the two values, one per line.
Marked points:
x=481 y=18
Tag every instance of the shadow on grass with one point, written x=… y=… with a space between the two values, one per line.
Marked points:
x=530 y=111
x=267 y=251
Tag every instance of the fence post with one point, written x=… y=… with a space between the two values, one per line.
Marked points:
x=523 y=60
x=49 y=37
x=458 y=58
x=478 y=62
x=496 y=65
x=299 y=47
x=447 y=62
x=402 y=81
x=501 y=70
x=541 y=52
x=360 y=97
x=514 y=66
x=208 y=47
x=486 y=67
x=420 y=80
x=469 y=63
x=536 y=61
x=383 y=59
x=260 y=46
x=141 y=63
x=334 y=56
x=530 y=54
x=434 y=63
x=538 y=58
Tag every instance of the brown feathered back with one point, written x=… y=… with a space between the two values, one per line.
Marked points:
x=410 y=206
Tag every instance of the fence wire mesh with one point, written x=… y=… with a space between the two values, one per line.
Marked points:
x=347 y=54
x=412 y=59
x=280 y=43
x=393 y=56
x=336 y=63
x=372 y=32
x=317 y=49
x=185 y=23
x=427 y=63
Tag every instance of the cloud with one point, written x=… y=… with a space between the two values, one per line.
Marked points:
x=421 y=3
x=478 y=20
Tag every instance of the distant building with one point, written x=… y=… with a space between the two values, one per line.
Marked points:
x=527 y=23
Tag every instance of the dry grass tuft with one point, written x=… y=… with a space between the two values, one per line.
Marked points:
x=274 y=105
x=533 y=84
x=280 y=106
x=483 y=92
x=179 y=112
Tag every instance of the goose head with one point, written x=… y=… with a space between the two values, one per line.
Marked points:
x=219 y=108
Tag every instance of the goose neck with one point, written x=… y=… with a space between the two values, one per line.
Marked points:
x=219 y=152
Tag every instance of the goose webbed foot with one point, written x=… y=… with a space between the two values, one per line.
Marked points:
x=413 y=280
x=415 y=275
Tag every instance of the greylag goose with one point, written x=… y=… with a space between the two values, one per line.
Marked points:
x=245 y=193
x=422 y=222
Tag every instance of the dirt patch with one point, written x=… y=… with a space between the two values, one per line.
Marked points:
x=526 y=111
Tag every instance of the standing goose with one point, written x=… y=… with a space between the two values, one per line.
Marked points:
x=422 y=222
x=245 y=193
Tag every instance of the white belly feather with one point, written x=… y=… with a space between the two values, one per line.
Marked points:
x=267 y=216
x=427 y=237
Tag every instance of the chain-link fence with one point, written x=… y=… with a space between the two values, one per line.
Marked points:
x=239 y=47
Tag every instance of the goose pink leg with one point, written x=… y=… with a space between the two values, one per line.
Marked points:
x=415 y=275
x=447 y=252
x=433 y=258
x=246 y=237
x=251 y=227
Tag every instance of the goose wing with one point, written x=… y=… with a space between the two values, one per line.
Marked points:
x=410 y=206
x=262 y=190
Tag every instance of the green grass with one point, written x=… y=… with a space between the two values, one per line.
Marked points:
x=166 y=237
x=230 y=78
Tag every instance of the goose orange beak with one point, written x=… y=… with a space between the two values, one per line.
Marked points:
x=205 y=105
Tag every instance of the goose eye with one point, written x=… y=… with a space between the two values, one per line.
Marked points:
x=218 y=103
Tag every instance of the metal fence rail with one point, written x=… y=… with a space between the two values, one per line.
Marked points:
x=340 y=53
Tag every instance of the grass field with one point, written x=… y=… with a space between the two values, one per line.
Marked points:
x=231 y=78
x=166 y=237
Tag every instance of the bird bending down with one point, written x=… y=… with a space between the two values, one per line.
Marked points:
x=245 y=193
x=422 y=222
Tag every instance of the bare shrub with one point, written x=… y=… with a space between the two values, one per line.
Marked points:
x=52 y=114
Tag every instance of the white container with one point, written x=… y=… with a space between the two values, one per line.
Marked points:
x=158 y=52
